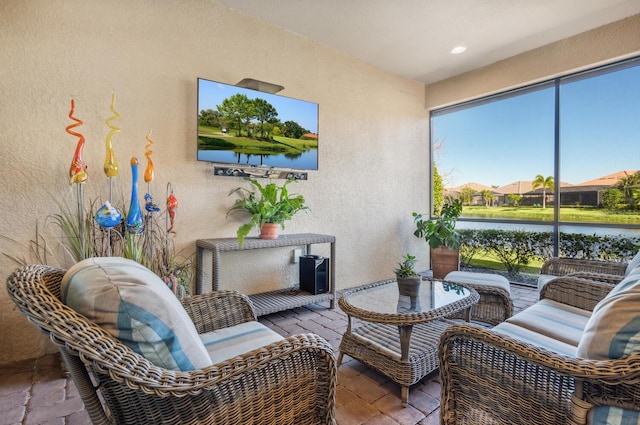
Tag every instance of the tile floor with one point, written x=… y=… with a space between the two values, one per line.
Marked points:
x=34 y=392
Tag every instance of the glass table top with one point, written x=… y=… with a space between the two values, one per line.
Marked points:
x=387 y=298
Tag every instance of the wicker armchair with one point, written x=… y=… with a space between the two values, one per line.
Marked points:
x=607 y=271
x=291 y=381
x=490 y=378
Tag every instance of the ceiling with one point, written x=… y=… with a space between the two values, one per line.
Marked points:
x=413 y=38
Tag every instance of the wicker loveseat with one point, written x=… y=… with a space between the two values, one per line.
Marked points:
x=291 y=381
x=541 y=366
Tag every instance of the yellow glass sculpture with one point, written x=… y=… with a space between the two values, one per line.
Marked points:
x=111 y=167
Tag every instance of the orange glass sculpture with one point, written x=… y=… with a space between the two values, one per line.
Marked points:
x=149 y=172
x=78 y=169
x=172 y=205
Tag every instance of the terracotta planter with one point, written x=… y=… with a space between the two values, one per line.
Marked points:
x=269 y=231
x=443 y=261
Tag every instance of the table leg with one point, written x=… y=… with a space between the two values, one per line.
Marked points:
x=405 y=343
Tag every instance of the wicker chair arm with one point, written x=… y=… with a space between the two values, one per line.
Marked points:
x=219 y=309
x=141 y=374
x=575 y=291
x=488 y=377
x=599 y=277
x=560 y=266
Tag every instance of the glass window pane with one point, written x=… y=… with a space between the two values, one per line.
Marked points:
x=498 y=155
x=489 y=153
x=600 y=147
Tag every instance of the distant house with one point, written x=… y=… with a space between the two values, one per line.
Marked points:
x=476 y=198
x=590 y=192
x=587 y=193
x=310 y=136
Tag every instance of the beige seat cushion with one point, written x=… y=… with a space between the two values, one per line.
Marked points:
x=555 y=320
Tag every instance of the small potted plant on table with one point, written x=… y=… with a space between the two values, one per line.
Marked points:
x=443 y=238
x=408 y=279
x=269 y=208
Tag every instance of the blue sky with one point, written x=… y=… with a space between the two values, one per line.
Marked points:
x=305 y=113
x=508 y=140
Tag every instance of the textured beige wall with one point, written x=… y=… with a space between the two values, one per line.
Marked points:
x=602 y=45
x=373 y=132
x=373 y=127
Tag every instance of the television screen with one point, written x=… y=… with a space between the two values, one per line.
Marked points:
x=247 y=127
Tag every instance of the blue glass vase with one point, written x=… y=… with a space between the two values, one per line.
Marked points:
x=135 y=222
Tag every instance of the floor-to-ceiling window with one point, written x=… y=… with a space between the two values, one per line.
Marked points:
x=561 y=158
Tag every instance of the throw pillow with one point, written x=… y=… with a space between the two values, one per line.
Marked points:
x=134 y=305
x=613 y=330
x=606 y=415
x=633 y=264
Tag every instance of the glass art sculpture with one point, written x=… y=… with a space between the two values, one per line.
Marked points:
x=111 y=166
x=135 y=222
x=78 y=169
x=108 y=216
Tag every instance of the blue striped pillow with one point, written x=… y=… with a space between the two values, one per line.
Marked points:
x=633 y=264
x=613 y=330
x=609 y=415
x=134 y=305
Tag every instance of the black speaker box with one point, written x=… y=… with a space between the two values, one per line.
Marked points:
x=314 y=274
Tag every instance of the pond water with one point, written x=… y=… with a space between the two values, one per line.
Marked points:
x=586 y=230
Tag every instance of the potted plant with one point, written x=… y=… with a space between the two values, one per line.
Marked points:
x=443 y=238
x=269 y=208
x=408 y=279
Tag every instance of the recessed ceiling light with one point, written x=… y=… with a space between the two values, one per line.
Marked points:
x=458 y=49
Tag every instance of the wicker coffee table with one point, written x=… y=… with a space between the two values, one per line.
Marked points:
x=399 y=335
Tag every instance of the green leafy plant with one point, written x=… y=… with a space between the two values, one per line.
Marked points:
x=440 y=231
x=270 y=204
x=406 y=267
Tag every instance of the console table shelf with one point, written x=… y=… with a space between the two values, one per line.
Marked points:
x=272 y=301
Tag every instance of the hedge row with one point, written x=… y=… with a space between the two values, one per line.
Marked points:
x=516 y=248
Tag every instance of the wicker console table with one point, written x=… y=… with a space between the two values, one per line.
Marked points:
x=272 y=301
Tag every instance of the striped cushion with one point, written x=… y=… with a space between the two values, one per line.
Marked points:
x=233 y=341
x=555 y=320
x=613 y=331
x=488 y=279
x=134 y=305
x=609 y=415
x=537 y=339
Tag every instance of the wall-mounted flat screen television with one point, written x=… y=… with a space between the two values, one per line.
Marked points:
x=247 y=127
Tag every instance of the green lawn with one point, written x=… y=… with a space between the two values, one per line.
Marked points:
x=212 y=138
x=582 y=214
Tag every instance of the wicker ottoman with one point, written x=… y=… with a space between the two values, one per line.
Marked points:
x=495 y=305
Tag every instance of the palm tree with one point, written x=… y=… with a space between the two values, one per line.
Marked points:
x=545 y=183
x=487 y=196
x=629 y=185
